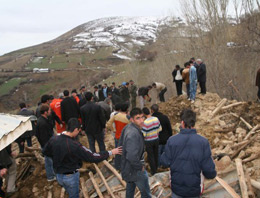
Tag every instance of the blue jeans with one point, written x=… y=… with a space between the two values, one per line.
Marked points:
x=177 y=196
x=142 y=184
x=160 y=152
x=49 y=168
x=188 y=90
x=70 y=183
x=193 y=89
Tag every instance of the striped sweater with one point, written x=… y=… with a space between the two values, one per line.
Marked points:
x=151 y=129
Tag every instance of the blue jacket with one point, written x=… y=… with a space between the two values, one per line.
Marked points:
x=188 y=154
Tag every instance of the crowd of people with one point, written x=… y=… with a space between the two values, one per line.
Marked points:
x=136 y=130
x=194 y=72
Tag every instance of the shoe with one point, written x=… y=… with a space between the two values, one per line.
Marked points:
x=192 y=101
x=50 y=180
x=189 y=99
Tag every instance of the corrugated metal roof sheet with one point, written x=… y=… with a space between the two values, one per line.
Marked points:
x=11 y=127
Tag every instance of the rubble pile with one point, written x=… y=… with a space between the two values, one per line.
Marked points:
x=231 y=127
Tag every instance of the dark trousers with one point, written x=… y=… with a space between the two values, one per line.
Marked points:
x=258 y=93
x=161 y=94
x=152 y=154
x=92 y=138
x=178 y=84
x=22 y=141
x=188 y=90
x=203 y=87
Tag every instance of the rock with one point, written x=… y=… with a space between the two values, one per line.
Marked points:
x=241 y=131
x=222 y=123
x=223 y=163
x=216 y=140
x=229 y=134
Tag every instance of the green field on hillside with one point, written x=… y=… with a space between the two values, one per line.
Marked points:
x=5 y=88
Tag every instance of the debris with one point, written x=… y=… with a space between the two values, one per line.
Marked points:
x=241 y=177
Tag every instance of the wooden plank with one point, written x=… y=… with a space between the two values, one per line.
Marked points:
x=219 y=188
x=255 y=184
x=241 y=177
x=95 y=185
x=104 y=180
x=250 y=188
x=84 y=188
x=252 y=132
x=115 y=172
x=230 y=190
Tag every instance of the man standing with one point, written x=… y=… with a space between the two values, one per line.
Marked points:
x=46 y=99
x=105 y=105
x=161 y=89
x=188 y=155
x=55 y=106
x=28 y=134
x=166 y=131
x=257 y=83
x=193 y=82
x=69 y=107
x=82 y=92
x=202 y=76
x=186 y=78
x=124 y=92
x=93 y=121
x=120 y=120
x=44 y=131
x=67 y=155
x=105 y=90
x=177 y=78
x=132 y=160
x=132 y=91
x=151 y=130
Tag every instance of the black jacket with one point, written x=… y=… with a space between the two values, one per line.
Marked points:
x=93 y=118
x=69 y=109
x=67 y=154
x=174 y=73
x=143 y=91
x=124 y=93
x=166 y=127
x=44 y=130
x=202 y=73
x=53 y=117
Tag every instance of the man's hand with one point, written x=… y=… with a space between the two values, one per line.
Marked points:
x=61 y=125
x=117 y=151
x=3 y=172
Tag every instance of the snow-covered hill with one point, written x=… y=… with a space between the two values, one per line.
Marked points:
x=122 y=33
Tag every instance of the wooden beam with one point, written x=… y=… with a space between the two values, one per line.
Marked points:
x=218 y=108
x=230 y=190
x=255 y=184
x=219 y=187
x=115 y=172
x=250 y=188
x=84 y=188
x=95 y=185
x=104 y=181
x=232 y=105
x=246 y=123
x=241 y=177
x=252 y=131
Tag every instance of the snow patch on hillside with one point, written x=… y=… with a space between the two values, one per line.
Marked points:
x=121 y=33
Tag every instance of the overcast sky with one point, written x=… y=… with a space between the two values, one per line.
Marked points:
x=29 y=22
